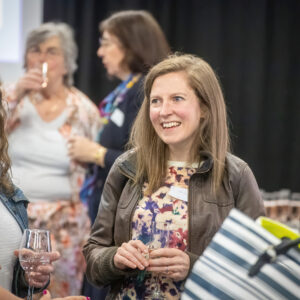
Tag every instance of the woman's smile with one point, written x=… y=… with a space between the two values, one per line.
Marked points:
x=172 y=124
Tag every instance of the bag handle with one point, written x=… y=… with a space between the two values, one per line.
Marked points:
x=271 y=253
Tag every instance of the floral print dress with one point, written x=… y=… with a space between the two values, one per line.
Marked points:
x=161 y=206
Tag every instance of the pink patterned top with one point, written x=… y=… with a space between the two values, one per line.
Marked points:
x=82 y=119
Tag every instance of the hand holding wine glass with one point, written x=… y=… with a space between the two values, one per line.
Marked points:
x=35 y=258
x=169 y=262
x=130 y=255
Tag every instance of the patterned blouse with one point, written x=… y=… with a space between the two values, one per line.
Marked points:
x=167 y=204
x=82 y=119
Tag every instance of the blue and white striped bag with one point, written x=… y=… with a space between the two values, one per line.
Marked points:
x=222 y=270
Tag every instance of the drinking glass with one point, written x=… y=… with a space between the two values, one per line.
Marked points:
x=45 y=75
x=160 y=234
x=33 y=252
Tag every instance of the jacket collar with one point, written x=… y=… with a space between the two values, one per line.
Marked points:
x=17 y=196
x=206 y=162
x=128 y=163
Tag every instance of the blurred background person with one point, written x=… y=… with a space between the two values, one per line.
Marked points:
x=131 y=42
x=13 y=221
x=44 y=111
x=181 y=172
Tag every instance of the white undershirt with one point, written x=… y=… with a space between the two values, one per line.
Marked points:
x=182 y=164
x=11 y=234
x=40 y=163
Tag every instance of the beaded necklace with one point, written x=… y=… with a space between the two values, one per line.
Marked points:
x=112 y=100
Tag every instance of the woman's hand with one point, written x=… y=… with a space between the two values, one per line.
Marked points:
x=82 y=149
x=171 y=262
x=131 y=255
x=40 y=276
x=31 y=81
x=47 y=296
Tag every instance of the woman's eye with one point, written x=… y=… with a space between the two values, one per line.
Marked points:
x=154 y=101
x=52 y=51
x=178 y=98
x=34 y=50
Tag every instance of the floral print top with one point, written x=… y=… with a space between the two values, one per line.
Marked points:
x=161 y=206
x=82 y=119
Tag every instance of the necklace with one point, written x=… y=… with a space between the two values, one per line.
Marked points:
x=38 y=100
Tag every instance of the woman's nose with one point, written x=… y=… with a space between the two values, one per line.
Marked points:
x=166 y=108
x=43 y=56
x=100 y=51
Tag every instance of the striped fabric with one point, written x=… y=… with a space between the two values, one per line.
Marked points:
x=222 y=271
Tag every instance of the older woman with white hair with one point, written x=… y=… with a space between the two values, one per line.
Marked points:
x=44 y=111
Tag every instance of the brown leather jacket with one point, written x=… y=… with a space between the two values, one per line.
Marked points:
x=206 y=213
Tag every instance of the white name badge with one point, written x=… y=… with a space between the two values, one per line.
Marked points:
x=179 y=193
x=117 y=117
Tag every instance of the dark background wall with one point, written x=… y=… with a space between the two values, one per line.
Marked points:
x=254 y=46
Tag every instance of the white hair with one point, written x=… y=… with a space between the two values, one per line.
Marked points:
x=66 y=35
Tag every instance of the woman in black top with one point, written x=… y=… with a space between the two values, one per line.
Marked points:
x=131 y=42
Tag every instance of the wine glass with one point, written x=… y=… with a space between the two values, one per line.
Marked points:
x=33 y=252
x=160 y=234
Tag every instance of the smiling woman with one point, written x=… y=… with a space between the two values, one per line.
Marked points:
x=179 y=172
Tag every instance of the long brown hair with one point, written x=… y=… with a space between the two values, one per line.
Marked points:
x=140 y=36
x=212 y=136
x=5 y=182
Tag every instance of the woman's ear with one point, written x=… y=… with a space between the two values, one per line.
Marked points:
x=204 y=111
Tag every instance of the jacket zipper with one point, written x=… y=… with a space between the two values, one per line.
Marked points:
x=137 y=199
x=189 y=209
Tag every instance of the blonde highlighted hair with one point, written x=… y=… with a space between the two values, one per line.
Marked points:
x=212 y=136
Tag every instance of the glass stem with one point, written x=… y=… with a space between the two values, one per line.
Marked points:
x=31 y=294
x=157 y=288
x=28 y=293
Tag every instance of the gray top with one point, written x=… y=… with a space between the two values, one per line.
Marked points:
x=40 y=163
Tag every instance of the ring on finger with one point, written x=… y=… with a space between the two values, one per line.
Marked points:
x=167 y=270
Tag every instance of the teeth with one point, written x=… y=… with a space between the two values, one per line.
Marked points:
x=170 y=124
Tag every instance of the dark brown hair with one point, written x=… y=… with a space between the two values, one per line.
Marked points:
x=140 y=36
x=5 y=181
x=212 y=137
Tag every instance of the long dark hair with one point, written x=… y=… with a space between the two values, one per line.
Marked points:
x=5 y=181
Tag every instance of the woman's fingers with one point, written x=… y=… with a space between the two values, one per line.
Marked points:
x=165 y=252
x=55 y=255
x=122 y=262
x=82 y=149
x=132 y=255
x=45 y=269
x=36 y=279
x=140 y=246
x=31 y=80
x=47 y=296
x=170 y=262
